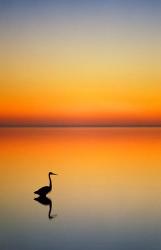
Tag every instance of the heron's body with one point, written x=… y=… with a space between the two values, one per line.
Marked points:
x=45 y=190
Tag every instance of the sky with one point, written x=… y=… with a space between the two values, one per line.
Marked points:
x=80 y=62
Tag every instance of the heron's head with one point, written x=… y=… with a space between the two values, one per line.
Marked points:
x=51 y=173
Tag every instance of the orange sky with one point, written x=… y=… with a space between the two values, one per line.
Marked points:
x=80 y=66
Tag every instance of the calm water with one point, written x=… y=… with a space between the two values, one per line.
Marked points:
x=107 y=194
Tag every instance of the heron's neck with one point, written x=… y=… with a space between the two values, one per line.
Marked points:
x=50 y=183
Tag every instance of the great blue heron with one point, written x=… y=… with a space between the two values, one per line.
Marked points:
x=45 y=190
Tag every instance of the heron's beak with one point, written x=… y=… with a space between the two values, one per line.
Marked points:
x=53 y=173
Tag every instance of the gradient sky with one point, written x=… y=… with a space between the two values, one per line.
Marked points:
x=80 y=62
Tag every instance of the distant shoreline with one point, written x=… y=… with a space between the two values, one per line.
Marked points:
x=79 y=126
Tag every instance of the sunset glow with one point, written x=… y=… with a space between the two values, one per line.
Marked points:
x=80 y=63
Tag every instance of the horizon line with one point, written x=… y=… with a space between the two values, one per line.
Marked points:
x=79 y=126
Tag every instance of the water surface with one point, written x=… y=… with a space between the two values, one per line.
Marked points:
x=107 y=194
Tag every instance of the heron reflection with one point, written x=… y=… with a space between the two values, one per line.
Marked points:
x=46 y=202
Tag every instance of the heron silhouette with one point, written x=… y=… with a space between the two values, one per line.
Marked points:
x=45 y=190
x=47 y=202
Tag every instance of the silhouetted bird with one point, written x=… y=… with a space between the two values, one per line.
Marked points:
x=47 y=202
x=45 y=190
